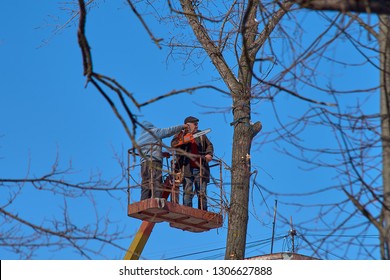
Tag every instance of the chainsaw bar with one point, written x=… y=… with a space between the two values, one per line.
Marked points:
x=200 y=133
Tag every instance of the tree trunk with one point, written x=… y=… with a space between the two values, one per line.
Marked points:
x=244 y=132
x=384 y=42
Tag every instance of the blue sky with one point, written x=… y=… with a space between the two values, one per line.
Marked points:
x=45 y=112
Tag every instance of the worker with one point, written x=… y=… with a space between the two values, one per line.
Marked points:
x=150 y=143
x=193 y=162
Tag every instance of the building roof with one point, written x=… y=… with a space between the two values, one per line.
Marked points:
x=282 y=256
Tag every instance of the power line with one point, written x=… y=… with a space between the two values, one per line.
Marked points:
x=249 y=245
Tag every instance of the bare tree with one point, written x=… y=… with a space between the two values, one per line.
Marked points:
x=384 y=42
x=262 y=54
x=241 y=38
x=361 y=157
x=58 y=227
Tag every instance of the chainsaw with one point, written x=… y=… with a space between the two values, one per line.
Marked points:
x=189 y=137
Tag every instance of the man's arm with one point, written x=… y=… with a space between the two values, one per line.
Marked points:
x=169 y=131
x=209 y=152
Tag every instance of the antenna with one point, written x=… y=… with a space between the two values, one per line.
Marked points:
x=292 y=233
x=273 y=226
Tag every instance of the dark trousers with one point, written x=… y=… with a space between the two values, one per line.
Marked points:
x=200 y=189
x=151 y=173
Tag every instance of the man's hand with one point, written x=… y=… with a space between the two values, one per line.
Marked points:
x=166 y=155
x=208 y=158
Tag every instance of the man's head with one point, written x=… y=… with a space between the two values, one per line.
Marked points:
x=192 y=122
x=191 y=119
